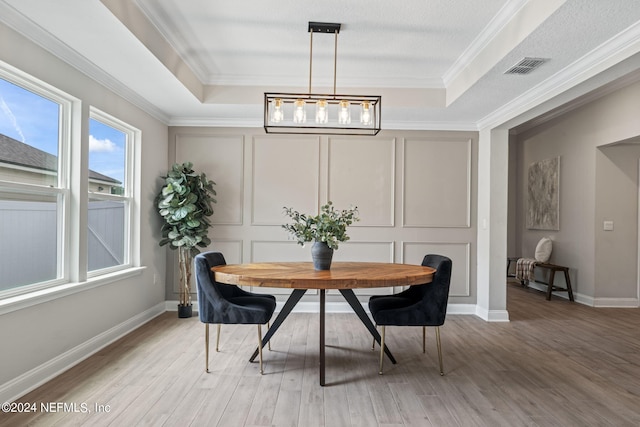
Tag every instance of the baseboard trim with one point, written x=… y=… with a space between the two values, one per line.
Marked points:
x=23 y=384
x=465 y=309
x=543 y=288
x=616 y=302
x=584 y=299
x=591 y=301
x=173 y=306
x=492 y=315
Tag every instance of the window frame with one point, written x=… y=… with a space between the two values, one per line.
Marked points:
x=62 y=192
x=72 y=198
x=132 y=134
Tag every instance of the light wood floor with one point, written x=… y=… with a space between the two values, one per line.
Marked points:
x=555 y=364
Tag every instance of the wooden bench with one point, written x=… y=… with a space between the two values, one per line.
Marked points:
x=551 y=268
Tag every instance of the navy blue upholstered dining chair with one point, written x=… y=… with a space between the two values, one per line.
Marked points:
x=228 y=304
x=420 y=305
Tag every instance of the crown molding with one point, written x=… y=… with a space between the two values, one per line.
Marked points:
x=480 y=43
x=608 y=54
x=233 y=122
x=578 y=102
x=387 y=124
x=429 y=125
x=299 y=81
x=33 y=32
x=174 y=39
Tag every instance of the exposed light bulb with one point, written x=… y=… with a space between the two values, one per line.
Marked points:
x=322 y=115
x=344 y=115
x=277 y=115
x=299 y=113
x=365 y=113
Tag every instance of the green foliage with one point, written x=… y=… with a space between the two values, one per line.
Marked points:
x=184 y=203
x=329 y=226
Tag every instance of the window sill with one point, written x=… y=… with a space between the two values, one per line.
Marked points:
x=23 y=301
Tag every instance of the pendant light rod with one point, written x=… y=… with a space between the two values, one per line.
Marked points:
x=335 y=63
x=327 y=28
x=310 y=59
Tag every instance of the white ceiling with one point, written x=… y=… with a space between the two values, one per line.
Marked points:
x=438 y=64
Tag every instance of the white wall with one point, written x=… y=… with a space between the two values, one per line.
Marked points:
x=575 y=137
x=41 y=339
x=415 y=191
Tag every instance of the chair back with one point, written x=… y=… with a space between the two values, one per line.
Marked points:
x=436 y=293
x=210 y=292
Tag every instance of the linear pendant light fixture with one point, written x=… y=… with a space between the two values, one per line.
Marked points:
x=317 y=113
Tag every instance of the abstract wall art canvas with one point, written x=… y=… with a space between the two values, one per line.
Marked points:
x=543 y=198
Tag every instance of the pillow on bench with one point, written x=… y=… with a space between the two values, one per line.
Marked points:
x=543 y=249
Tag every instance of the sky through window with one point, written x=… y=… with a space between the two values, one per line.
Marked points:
x=34 y=120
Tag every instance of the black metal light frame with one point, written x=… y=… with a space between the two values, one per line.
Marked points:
x=286 y=102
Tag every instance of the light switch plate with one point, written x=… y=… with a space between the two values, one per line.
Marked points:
x=608 y=226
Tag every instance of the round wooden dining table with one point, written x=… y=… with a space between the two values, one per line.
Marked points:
x=343 y=276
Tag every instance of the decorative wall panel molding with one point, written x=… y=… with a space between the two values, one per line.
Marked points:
x=222 y=159
x=230 y=248
x=286 y=172
x=365 y=252
x=460 y=254
x=362 y=173
x=436 y=182
x=279 y=251
x=413 y=189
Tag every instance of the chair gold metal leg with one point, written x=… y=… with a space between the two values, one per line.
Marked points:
x=381 y=349
x=260 y=347
x=269 y=343
x=206 y=347
x=424 y=339
x=439 y=349
x=218 y=337
x=373 y=344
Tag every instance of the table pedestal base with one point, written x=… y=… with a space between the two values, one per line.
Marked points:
x=349 y=296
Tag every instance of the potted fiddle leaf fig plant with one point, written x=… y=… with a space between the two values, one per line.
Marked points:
x=325 y=229
x=185 y=203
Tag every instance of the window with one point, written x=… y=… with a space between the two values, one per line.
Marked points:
x=28 y=221
x=29 y=136
x=43 y=200
x=33 y=192
x=109 y=213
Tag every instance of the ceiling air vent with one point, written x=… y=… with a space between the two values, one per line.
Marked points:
x=526 y=65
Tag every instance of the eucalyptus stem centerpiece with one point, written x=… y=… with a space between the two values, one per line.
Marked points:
x=325 y=229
